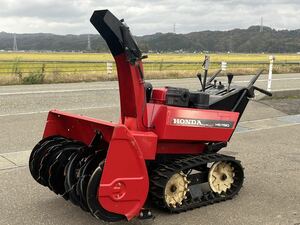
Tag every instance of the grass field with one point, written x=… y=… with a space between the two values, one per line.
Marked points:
x=16 y=68
x=172 y=57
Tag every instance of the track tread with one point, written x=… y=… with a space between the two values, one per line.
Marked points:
x=208 y=198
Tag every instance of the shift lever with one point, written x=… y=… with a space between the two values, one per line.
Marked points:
x=200 y=79
x=205 y=66
x=230 y=77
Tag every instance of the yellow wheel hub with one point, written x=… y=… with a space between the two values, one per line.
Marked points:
x=220 y=177
x=176 y=189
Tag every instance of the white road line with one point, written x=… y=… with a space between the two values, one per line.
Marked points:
x=265 y=80
x=116 y=88
x=55 y=91
x=72 y=109
x=265 y=128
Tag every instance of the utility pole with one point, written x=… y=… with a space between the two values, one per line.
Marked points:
x=89 y=44
x=15 y=46
x=261 y=24
x=230 y=44
x=174 y=28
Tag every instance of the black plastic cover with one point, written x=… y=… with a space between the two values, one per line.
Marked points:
x=116 y=34
x=199 y=100
x=177 y=96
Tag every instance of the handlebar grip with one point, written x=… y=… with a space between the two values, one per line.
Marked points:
x=253 y=80
x=214 y=76
x=263 y=91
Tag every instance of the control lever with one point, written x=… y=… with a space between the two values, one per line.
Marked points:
x=220 y=86
x=230 y=77
x=263 y=91
x=213 y=76
x=253 y=80
x=215 y=83
x=200 y=79
x=205 y=66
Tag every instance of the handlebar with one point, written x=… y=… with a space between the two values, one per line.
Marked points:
x=251 y=86
x=214 y=76
x=263 y=91
x=254 y=79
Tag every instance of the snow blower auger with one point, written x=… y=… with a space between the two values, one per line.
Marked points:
x=163 y=150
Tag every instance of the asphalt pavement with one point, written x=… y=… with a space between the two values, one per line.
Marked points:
x=266 y=141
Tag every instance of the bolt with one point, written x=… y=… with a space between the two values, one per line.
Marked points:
x=223 y=177
x=173 y=188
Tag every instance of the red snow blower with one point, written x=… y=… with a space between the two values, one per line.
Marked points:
x=164 y=151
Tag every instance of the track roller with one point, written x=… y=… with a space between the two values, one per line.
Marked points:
x=190 y=183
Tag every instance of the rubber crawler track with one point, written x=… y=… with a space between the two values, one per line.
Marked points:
x=161 y=175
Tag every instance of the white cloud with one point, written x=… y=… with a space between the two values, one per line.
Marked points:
x=146 y=17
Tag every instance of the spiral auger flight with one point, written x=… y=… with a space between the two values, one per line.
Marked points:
x=65 y=166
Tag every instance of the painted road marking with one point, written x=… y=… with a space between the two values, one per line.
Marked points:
x=116 y=88
x=71 y=109
x=6 y=164
x=56 y=91
x=20 y=159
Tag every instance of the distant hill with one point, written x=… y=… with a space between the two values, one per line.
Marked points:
x=238 y=40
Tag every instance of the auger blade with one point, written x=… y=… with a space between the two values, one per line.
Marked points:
x=83 y=177
x=72 y=174
x=39 y=153
x=46 y=162
x=56 y=171
x=38 y=145
x=85 y=173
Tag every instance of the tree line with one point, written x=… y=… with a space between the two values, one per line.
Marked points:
x=249 y=40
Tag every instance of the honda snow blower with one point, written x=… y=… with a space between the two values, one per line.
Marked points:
x=162 y=153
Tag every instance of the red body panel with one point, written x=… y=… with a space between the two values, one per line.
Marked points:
x=162 y=116
x=132 y=93
x=124 y=184
x=83 y=128
x=159 y=95
x=76 y=127
x=147 y=141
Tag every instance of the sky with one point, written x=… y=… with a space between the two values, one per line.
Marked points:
x=147 y=17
